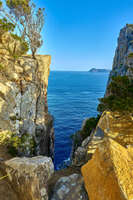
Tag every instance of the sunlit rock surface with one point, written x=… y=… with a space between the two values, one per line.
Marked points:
x=23 y=103
x=123 y=60
x=28 y=177
x=108 y=176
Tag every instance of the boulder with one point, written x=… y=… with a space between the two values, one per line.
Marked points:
x=29 y=176
x=108 y=175
x=70 y=188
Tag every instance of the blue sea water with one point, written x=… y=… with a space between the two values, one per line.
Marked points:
x=72 y=97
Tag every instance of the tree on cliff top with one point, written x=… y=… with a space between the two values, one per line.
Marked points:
x=28 y=21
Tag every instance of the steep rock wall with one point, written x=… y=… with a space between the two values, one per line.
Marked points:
x=23 y=103
x=123 y=59
x=108 y=175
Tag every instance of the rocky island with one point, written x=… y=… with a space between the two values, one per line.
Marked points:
x=95 y=70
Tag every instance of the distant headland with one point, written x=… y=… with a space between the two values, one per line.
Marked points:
x=99 y=70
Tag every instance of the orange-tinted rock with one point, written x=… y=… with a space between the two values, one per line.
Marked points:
x=109 y=175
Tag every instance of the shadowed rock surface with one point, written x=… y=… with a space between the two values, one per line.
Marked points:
x=70 y=187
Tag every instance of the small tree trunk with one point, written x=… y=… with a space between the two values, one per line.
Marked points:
x=33 y=55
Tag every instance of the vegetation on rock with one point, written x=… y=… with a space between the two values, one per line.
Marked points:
x=130 y=55
x=15 y=143
x=24 y=144
x=24 y=21
x=89 y=126
x=121 y=95
x=120 y=99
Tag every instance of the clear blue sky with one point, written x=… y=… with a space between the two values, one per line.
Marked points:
x=83 y=34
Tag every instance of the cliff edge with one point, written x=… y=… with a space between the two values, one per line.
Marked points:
x=26 y=127
x=123 y=59
x=108 y=174
x=23 y=105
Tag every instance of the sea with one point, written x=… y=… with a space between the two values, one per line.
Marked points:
x=72 y=97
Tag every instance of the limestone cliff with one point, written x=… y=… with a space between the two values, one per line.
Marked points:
x=108 y=174
x=123 y=59
x=23 y=104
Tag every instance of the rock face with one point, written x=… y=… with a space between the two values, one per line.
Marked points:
x=123 y=60
x=108 y=175
x=111 y=165
x=23 y=104
x=111 y=171
x=70 y=187
x=28 y=177
x=80 y=154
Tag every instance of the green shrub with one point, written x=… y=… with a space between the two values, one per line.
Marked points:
x=19 y=47
x=24 y=144
x=90 y=125
x=130 y=55
x=15 y=45
x=121 y=95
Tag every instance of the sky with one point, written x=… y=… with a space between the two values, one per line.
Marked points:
x=83 y=34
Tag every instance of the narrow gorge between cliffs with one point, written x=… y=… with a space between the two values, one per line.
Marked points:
x=72 y=97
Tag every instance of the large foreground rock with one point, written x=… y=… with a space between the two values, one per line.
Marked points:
x=70 y=188
x=29 y=176
x=108 y=176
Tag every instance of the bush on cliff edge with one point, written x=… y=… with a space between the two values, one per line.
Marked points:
x=89 y=126
x=121 y=96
